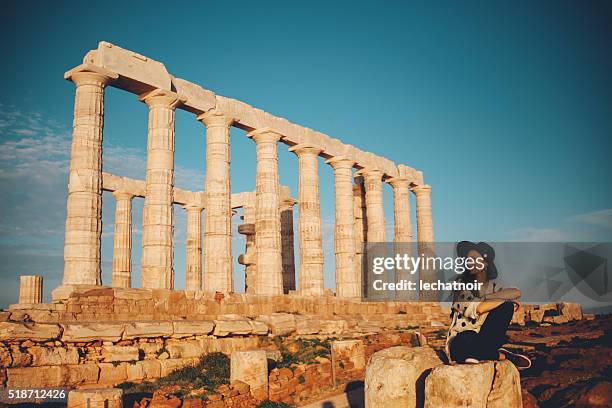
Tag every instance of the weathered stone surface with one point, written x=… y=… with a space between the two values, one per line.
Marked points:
x=494 y=384
x=112 y=373
x=84 y=332
x=144 y=370
x=307 y=325
x=81 y=374
x=120 y=353
x=29 y=331
x=29 y=377
x=280 y=323
x=251 y=367
x=42 y=356
x=148 y=329
x=395 y=376
x=352 y=350
x=225 y=327
x=258 y=328
x=96 y=398
x=573 y=311
x=189 y=328
x=185 y=349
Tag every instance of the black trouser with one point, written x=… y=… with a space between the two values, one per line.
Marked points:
x=484 y=345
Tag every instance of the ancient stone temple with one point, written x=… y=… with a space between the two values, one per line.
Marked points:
x=99 y=334
x=359 y=178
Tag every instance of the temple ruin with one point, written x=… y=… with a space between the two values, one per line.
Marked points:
x=359 y=178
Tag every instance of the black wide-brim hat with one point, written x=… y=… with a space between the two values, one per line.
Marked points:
x=484 y=249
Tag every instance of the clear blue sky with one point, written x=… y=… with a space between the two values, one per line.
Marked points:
x=505 y=106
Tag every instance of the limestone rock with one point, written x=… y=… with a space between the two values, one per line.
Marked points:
x=493 y=384
x=225 y=327
x=42 y=356
x=148 y=329
x=190 y=328
x=96 y=398
x=395 y=376
x=29 y=331
x=280 y=323
x=84 y=332
x=251 y=367
x=120 y=353
x=352 y=350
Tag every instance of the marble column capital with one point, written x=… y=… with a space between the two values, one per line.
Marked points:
x=122 y=195
x=288 y=203
x=215 y=118
x=264 y=135
x=304 y=149
x=87 y=73
x=421 y=189
x=399 y=182
x=340 y=162
x=371 y=173
x=161 y=97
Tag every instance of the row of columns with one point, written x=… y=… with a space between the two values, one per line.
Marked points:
x=359 y=207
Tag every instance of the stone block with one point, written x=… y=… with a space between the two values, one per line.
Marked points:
x=280 y=324
x=226 y=327
x=349 y=350
x=493 y=384
x=120 y=353
x=307 y=325
x=81 y=374
x=187 y=328
x=185 y=348
x=251 y=367
x=96 y=398
x=86 y=332
x=143 y=370
x=42 y=356
x=572 y=311
x=395 y=376
x=29 y=331
x=35 y=377
x=148 y=329
x=111 y=374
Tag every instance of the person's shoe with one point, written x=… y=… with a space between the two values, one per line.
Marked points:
x=471 y=360
x=520 y=361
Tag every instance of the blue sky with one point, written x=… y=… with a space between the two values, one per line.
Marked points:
x=505 y=106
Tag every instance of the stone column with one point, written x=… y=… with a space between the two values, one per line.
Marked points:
x=287 y=244
x=348 y=280
x=157 y=224
x=361 y=224
x=425 y=237
x=84 y=206
x=30 y=289
x=403 y=231
x=122 y=243
x=401 y=208
x=374 y=205
x=249 y=257
x=309 y=222
x=268 y=280
x=193 y=245
x=425 y=232
x=218 y=264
